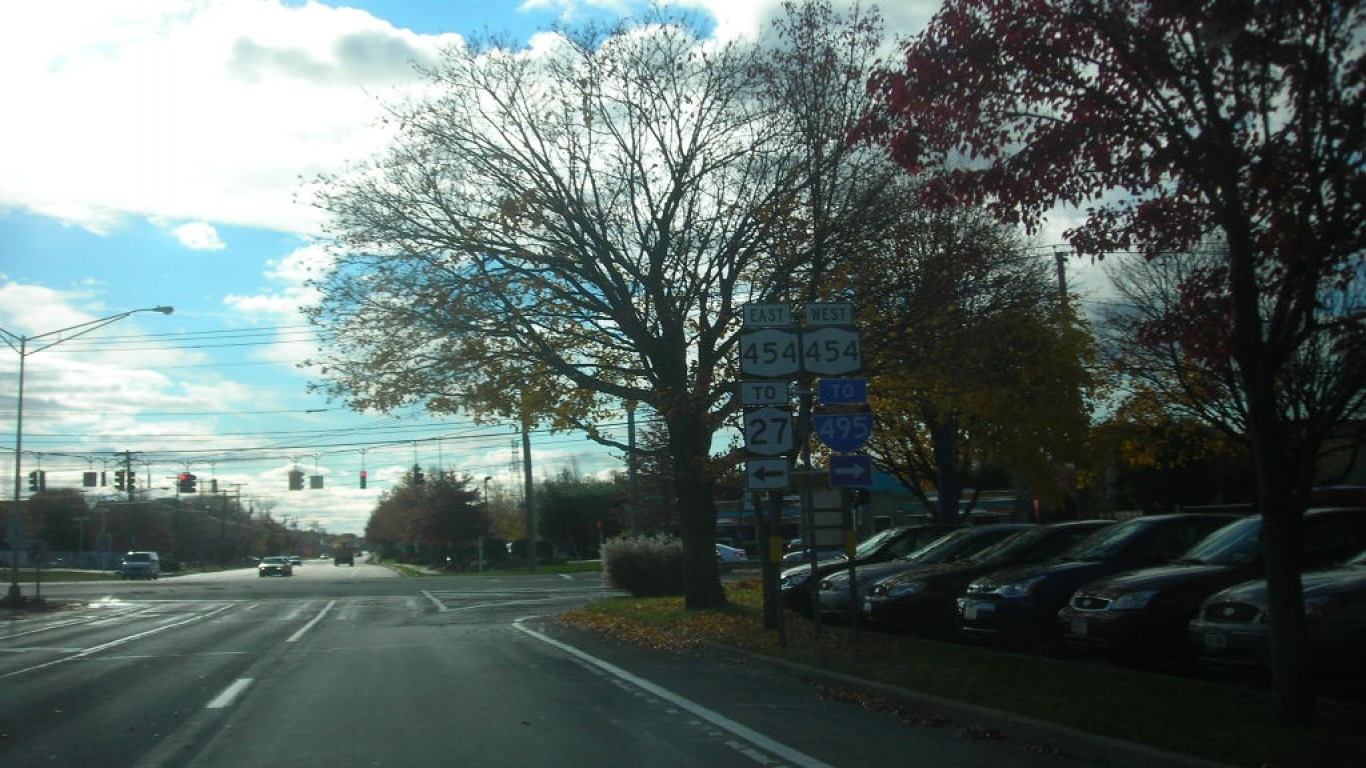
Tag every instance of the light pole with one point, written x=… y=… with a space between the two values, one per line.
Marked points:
x=20 y=344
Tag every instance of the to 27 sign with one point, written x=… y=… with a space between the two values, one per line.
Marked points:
x=768 y=431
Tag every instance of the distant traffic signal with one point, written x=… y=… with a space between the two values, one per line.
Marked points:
x=90 y=479
x=37 y=480
x=120 y=479
x=296 y=480
x=418 y=479
x=187 y=482
x=363 y=477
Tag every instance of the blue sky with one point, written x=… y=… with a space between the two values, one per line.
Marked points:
x=152 y=153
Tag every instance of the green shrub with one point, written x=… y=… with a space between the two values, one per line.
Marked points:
x=645 y=566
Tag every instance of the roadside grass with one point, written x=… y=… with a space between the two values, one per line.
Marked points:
x=27 y=575
x=1229 y=723
x=568 y=567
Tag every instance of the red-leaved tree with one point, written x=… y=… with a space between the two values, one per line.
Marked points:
x=1174 y=124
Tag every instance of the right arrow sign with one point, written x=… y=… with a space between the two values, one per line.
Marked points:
x=854 y=471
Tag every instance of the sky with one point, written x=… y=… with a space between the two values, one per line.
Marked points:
x=152 y=155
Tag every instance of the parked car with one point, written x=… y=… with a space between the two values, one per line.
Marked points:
x=729 y=557
x=799 y=556
x=837 y=599
x=140 y=565
x=275 y=565
x=798 y=583
x=1143 y=616
x=921 y=601
x=1020 y=605
x=1232 y=628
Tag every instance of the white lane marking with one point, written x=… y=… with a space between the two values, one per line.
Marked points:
x=116 y=643
x=715 y=718
x=229 y=694
x=294 y=638
x=440 y=606
x=566 y=577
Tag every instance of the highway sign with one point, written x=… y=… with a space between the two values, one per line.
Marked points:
x=831 y=351
x=756 y=393
x=768 y=431
x=767 y=475
x=829 y=313
x=770 y=353
x=842 y=391
x=843 y=432
x=854 y=471
x=756 y=314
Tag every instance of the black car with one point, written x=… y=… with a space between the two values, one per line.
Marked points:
x=921 y=601
x=799 y=582
x=837 y=598
x=1020 y=605
x=1142 y=616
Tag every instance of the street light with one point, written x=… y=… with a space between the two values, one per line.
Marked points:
x=16 y=530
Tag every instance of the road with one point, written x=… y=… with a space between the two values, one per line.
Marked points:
x=358 y=667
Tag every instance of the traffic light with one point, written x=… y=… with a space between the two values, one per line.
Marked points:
x=90 y=479
x=37 y=480
x=187 y=482
x=120 y=480
x=363 y=477
x=418 y=479
x=296 y=480
x=131 y=481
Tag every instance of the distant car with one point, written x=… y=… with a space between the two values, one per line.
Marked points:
x=140 y=565
x=1142 y=616
x=956 y=546
x=275 y=565
x=296 y=560
x=1020 y=605
x=921 y=601
x=797 y=584
x=729 y=557
x=1232 y=628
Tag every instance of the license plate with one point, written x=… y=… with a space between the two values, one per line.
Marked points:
x=1079 y=627
x=1215 y=641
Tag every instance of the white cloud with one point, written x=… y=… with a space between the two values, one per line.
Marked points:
x=199 y=236
x=210 y=111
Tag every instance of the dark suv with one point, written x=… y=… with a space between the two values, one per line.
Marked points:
x=1141 y=616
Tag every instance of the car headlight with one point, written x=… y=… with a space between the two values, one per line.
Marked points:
x=1317 y=608
x=906 y=588
x=1018 y=588
x=795 y=580
x=1133 y=601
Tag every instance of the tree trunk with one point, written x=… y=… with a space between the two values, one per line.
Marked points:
x=945 y=438
x=690 y=440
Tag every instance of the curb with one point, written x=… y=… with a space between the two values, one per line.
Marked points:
x=1078 y=742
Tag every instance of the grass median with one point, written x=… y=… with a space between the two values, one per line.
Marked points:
x=1228 y=723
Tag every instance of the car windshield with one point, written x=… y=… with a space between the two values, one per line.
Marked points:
x=939 y=548
x=871 y=545
x=1106 y=543
x=273 y=561
x=137 y=557
x=1008 y=548
x=1235 y=544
